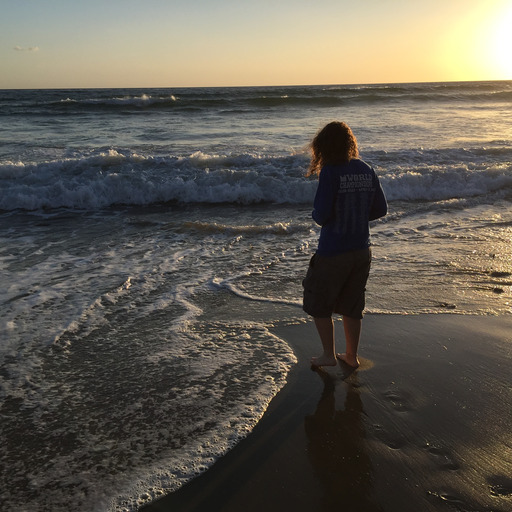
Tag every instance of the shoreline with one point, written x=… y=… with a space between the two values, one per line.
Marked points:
x=423 y=423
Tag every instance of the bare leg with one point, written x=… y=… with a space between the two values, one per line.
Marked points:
x=352 y=328
x=325 y=328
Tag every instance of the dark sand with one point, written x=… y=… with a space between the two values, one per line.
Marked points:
x=424 y=425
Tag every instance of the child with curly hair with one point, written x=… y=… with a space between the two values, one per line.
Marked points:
x=349 y=195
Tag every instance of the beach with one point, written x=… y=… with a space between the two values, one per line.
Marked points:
x=153 y=243
x=424 y=424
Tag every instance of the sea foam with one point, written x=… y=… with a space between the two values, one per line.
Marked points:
x=114 y=177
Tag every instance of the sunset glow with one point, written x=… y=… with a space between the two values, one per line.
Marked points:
x=226 y=43
x=501 y=43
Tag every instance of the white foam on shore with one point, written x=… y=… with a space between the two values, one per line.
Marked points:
x=124 y=365
x=180 y=465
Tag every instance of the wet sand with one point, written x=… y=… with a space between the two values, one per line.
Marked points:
x=423 y=425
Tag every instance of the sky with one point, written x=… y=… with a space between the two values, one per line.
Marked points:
x=207 y=43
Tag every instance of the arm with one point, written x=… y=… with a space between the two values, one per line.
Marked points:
x=325 y=198
x=379 y=206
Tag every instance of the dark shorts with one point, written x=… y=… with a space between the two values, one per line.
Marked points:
x=336 y=284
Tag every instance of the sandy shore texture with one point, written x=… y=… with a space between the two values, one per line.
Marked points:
x=423 y=425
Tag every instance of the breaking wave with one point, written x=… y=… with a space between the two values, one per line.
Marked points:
x=113 y=177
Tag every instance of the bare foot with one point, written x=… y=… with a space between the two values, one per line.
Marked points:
x=351 y=361
x=323 y=361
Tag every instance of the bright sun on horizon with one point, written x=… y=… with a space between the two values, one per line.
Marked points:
x=501 y=43
x=478 y=43
x=493 y=39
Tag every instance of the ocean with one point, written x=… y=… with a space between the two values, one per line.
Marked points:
x=152 y=238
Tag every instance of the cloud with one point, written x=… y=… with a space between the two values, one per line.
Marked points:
x=29 y=49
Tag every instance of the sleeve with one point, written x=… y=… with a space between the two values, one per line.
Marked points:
x=379 y=206
x=325 y=198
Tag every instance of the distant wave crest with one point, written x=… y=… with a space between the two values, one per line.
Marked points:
x=247 y=99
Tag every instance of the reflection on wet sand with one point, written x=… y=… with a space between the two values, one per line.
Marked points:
x=336 y=449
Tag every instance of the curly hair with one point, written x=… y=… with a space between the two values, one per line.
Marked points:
x=333 y=144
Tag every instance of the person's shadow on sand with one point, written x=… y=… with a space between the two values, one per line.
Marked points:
x=336 y=449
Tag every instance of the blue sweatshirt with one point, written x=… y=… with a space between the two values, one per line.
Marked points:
x=348 y=197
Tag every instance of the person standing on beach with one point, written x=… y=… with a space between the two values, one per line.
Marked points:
x=348 y=196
